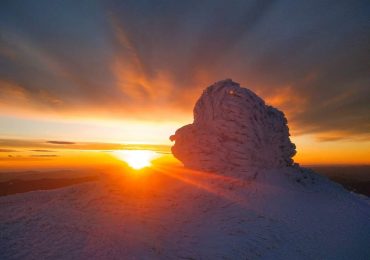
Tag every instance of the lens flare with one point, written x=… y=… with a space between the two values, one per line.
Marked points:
x=137 y=159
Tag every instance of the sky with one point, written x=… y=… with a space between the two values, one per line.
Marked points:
x=131 y=71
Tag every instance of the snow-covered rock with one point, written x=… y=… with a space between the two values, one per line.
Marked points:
x=233 y=128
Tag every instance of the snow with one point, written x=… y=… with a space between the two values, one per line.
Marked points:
x=177 y=213
x=257 y=204
x=233 y=128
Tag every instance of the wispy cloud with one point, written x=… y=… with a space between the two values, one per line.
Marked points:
x=40 y=144
x=59 y=142
x=43 y=151
x=7 y=150
x=138 y=59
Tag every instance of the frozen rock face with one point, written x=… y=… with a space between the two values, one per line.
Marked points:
x=233 y=128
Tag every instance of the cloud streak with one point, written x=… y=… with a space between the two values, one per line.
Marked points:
x=42 y=151
x=7 y=150
x=60 y=142
x=123 y=59
x=20 y=144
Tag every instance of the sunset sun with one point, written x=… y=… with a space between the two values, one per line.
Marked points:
x=137 y=159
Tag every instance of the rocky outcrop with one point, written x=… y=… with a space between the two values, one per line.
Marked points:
x=233 y=128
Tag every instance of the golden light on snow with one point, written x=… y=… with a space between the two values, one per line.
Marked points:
x=137 y=159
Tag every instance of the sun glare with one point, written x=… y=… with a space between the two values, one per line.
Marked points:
x=137 y=159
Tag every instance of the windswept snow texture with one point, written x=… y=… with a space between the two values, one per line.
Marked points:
x=233 y=128
x=183 y=214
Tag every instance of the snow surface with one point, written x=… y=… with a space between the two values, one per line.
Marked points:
x=233 y=128
x=259 y=205
x=176 y=213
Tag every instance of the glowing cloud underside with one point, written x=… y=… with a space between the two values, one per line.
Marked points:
x=137 y=159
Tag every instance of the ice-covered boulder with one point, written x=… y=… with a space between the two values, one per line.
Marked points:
x=233 y=128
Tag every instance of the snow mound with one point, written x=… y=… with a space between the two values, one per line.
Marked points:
x=233 y=128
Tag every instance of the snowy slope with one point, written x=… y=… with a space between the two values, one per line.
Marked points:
x=176 y=213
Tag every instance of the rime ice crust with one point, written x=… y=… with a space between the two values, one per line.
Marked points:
x=233 y=128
